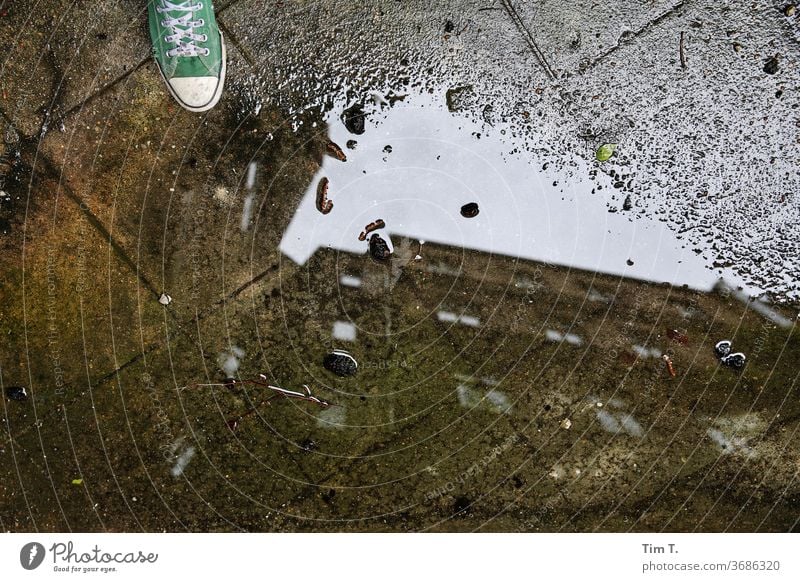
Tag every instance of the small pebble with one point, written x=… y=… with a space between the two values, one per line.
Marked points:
x=790 y=10
x=771 y=66
x=470 y=210
x=165 y=299
x=18 y=393
x=353 y=119
x=735 y=361
x=340 y=363
x=308 y=445
x=566 y=424
x=722 y=348
x=379 y=249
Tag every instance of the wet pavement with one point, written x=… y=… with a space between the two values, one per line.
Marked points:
x=171 y=281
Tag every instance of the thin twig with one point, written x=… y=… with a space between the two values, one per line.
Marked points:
x=682 y=52
x=279 y=392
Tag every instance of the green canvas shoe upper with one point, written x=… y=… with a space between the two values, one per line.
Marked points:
x=189 y=50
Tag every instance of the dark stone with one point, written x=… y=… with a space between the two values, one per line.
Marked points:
x=461 y=504
x=735 y=361
x=629 y=262
x=722 y=348
x=353 y=119
x=18 y=393
x=771 y=66
x=627 y=205
x=379 y=249
x=351 y=144
x=449 y=26
x=470 y=210
x=340 y=363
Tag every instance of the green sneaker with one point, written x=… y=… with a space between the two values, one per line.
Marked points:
x=190 y=51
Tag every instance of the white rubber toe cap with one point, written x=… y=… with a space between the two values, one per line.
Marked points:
x=196 y=93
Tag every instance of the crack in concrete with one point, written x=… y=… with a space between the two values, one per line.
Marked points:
x=515 y=17
x=628 y=38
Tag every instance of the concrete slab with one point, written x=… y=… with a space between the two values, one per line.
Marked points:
x=57 y=54
x=173 y=187
x=72 y=311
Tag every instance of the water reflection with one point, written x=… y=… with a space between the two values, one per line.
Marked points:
x=416 y=167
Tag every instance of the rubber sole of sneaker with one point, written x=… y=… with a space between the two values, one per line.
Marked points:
x=217 y=92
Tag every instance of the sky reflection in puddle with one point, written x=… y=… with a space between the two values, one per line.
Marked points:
x=437 y=163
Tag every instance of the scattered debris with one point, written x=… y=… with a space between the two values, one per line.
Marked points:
x=18 y=393
x=566 y=424
x=668 y=362
x=340 y=363
x=323 y=204
x=353 y=119
x=605 y=151
x=677 y=336
x=335 y=151
x=387 y=149
x=277 y=392
x=470 y=210
x=351 y=144
x=372 y=226
x=165 y=299
x=790 y=10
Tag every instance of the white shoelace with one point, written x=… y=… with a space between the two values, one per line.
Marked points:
x=182 y=48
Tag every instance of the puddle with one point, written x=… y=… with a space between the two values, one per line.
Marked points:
x=416 y=165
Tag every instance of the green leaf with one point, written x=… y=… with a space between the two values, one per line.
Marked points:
x=605 y=151
x=77 y=481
